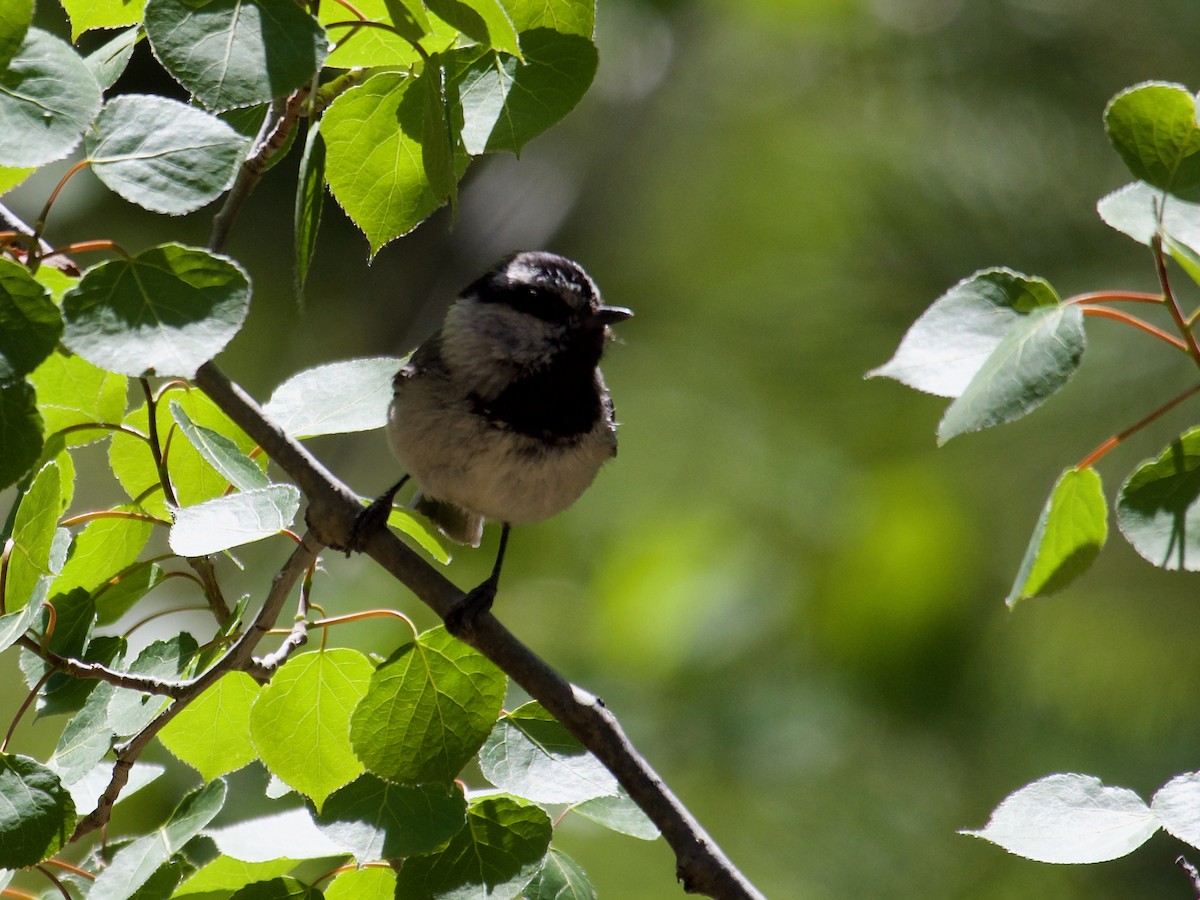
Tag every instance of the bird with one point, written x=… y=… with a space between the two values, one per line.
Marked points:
x=503 y=413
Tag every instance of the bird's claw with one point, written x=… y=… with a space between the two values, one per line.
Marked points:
x=475 y=603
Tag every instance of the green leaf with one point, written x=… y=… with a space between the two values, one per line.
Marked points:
x=289 y=834
x=36 y=812
x=1036 y=358
x=164 y=311
x=506 y=103
x=107 y=62
x=409 y=18
x=429 y=709
x=135 y=863
x=225 y=874
x=310 y=201
x=530 y=754
x=618 y=814
x=1153 y=128
x=947 y=346
x=193 y=478
x=163 y=155
x=88 y=14
x=232 y=53
x=15 y=624
x=30 y=323
x=11 y=176
x=376 y=819
x=33 y=537
x=72 y=392
x=1070 y=819
x=1135 y=210
x=566 y=16
x=363 y=884
x=374 y=162
x=119 y=596
x=484 y=21
x=286 y=888
x=368 y=47
x=240 y=518
x=220 y=452
x=48 y=98
x=15 y=17
x=1068 y=537
x=1158 y=509
x=561 y=878
x=86 y=739
x=104 y=547
x=336 y=398
x=22 y=429
x=300 y=723
x=496 y=855
x=170 y=659
x=212 y=735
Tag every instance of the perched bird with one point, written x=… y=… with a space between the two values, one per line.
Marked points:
x=503 y=413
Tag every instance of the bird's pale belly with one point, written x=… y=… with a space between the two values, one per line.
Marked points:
x=503 y=476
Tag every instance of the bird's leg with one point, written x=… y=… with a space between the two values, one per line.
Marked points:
x=479 y=599
x=372 y=517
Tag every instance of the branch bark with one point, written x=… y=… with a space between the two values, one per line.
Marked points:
x=700 y=864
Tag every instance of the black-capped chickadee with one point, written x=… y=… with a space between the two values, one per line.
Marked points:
x=503 y=413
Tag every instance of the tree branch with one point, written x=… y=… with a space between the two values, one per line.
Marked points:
x=333 y=507
x=238 y=656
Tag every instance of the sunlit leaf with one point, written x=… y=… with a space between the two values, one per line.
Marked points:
x=231 y=53
x=484 y=21
x=618 y=814
x=1033 y=360
x=290 y=834
x=363 y=884
x=233 y=520
x=226 y=874
x=335 y=398
x=1153 y=127
x=107 y=62
x=73 y=392
x=374 y=162
x=15 y=16
x=33 y=537
x=1177 y=805
x=48 y=98
x=134 y=864
x=104 y=547
x=300 y=724
x=220 y=452
x=164 y=311
x=1068 y=537
x=163 y=155
x=530 y=754
x=88 y=14
x=212 y=734
x=506 y=103
x=1070 y=819
x=429 y=709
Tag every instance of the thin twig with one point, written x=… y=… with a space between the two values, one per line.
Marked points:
x=333 y=508
x=1154 y=331
x=237 y=657
x=1160 y=266
x=1092 y=458
x=1192 y=873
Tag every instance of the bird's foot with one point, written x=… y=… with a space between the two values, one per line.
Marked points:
x=475 y=603
x=372 y=518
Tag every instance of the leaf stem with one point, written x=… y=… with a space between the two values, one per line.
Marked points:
x=33 y=692
x=1114 y=297
x=1106 y=313
x=1160 y=265
x=40 y=225
x=112 y=514
x=1093 y=457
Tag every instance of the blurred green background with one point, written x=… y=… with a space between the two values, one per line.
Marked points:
x=789 y=596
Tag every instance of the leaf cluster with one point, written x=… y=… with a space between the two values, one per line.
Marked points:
x=366 y=757
x=1000 y=344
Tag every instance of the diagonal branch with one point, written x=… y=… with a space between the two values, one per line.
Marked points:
x=700 y=864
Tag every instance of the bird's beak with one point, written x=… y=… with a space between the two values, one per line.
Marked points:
x=610 y=315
